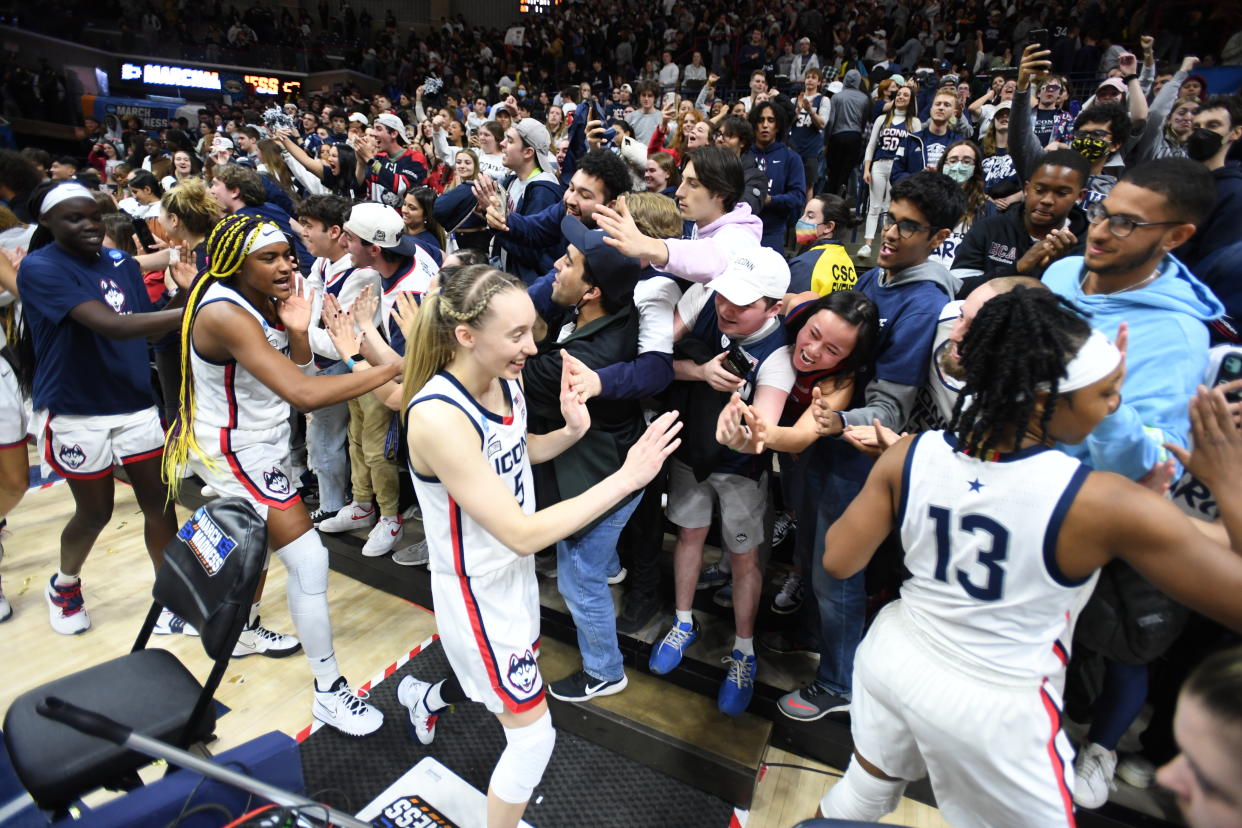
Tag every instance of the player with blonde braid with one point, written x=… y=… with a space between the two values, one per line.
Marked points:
x=471 y=456
x=243 y=342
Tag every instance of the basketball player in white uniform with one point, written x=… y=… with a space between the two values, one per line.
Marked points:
x=1002 y=533
x=14 y=469
x=471 y=456
x=244 y=342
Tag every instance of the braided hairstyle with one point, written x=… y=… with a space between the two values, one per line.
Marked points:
x=227 y=247
x=462 y=300
x=1019 y=343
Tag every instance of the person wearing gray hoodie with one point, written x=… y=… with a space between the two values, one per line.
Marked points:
x=844 y=131
x=910 y=292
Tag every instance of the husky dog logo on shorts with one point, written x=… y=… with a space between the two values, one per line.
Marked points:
x=523 y=671
x=72 y=456
x=276 y=481
x=112 y=294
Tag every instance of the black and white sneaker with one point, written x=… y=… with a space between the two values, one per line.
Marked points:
x=320 y=515
x=582 y=686
x=782 y=526
x=169 y=623
x=347 y=712
x=259 y=640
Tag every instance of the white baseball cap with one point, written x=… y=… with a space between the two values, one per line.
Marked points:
x=835 y=87
x=221 y=143
x=394 y=123
x=358 y=118
x=751 y=275
x=375 y=223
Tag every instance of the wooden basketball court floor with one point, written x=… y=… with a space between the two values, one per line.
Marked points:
x=371 y=628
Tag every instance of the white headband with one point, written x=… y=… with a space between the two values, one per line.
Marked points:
x=1095 y=360
x=63 y=192
x=264 y=235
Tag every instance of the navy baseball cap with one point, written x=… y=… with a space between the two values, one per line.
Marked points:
x=608 y=269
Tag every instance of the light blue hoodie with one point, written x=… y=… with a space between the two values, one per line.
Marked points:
x=1165 y=361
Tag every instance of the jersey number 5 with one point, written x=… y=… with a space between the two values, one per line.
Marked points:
x=990 y=558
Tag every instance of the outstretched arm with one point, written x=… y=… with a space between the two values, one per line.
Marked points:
x=440 y=441
x=222 y=330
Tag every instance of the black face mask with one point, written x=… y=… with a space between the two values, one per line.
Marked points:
x=1203 y=144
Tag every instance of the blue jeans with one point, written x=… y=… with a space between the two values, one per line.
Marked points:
x=583 y=567
x=841 y=605
x=328 y=455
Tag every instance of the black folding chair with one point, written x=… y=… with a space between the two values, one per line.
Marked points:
x=209 y=576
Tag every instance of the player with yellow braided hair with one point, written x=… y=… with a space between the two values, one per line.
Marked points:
x=244 y=345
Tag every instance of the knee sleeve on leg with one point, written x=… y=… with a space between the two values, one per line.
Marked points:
x=306 y=560
x=524 y=759
x=861 y=796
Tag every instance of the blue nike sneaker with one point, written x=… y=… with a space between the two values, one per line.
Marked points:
x=739 y=684
x=666 y=655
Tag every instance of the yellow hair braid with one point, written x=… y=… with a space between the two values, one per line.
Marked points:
x=228 y=244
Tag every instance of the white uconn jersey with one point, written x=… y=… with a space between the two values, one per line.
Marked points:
x=980 y=539
x=226 y=395
x=457 y=544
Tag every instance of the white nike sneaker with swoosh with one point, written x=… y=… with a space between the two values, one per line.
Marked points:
x=383 y=537
x=354 y=516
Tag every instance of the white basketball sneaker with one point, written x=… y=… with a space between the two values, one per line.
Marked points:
x=1093 y=775
x=383 y=537
x=347 y=712
x=411 y=692
x=65 y=608
x=259 y=640
x=354 y=516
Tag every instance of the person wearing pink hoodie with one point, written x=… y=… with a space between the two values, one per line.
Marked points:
x=721 y=226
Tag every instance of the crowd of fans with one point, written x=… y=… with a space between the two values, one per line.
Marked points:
x=728 y=153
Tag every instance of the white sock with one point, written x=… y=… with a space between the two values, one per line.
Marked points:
x=685 y=617
x=66 y=580
x=745 y=646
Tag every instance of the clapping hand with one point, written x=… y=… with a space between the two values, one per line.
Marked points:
x=294 y=310
x=346 y=338
x=573 y=407
x=184 y=268
x=740 y=427
x=1217 y=456
x=405 y=311
x=872 y=440
x=583 y=380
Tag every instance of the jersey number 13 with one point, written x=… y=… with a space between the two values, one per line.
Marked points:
x=990 y=557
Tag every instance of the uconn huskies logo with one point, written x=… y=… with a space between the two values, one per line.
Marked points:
x=112 y=294
x=72 y=456
x=276 y=481
x=523 y=671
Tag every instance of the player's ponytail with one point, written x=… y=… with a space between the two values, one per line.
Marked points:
x=228 y=244
x=1019 y=342
x=463 y=300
